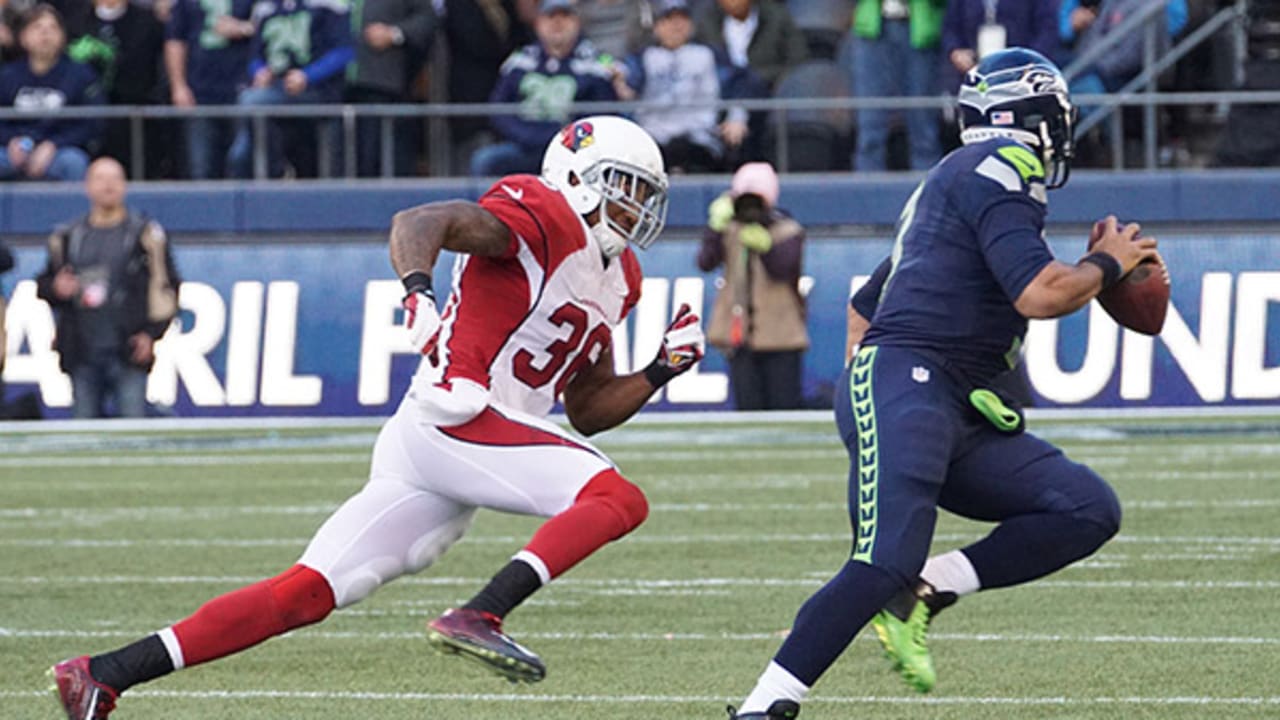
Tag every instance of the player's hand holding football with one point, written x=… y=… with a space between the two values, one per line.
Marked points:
x=421 y=318
x=1122 y=243
x=682 y=346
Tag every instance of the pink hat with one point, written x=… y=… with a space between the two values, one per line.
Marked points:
x=756 y=178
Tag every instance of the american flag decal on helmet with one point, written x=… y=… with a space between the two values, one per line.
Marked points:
x=577 y=135
x=1002 y=117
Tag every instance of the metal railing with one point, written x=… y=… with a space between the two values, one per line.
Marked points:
x=346 y=117
x=1148 y=22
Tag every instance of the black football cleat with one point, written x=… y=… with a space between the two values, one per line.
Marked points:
x=779 y=710
x=477 y=635
x=82 y=697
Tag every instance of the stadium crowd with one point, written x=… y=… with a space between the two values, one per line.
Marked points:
x=544 y=55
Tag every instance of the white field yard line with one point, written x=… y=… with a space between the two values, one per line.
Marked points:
x=314 y=634
x=1219 y=544
x=188 y=511
x=569 y=583
x=524 y=698
x=1218 y=553
x=1173 y=456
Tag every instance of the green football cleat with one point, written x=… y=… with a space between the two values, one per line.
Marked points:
x=903 y=629
x=906 y=645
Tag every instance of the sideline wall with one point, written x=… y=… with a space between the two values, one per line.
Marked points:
x=289 y=306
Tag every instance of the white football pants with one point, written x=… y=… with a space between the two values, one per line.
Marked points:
x=425 y=483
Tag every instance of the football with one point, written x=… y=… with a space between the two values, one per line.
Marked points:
x=1140 y=300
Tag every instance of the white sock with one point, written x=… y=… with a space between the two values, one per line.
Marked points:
x=775 y=683
x=951 y=572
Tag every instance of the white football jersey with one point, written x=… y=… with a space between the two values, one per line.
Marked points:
x=522 y=325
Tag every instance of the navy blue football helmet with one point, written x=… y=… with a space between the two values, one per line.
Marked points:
x=1020 y=94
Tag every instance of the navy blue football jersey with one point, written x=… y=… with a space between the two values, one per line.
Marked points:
x=969 y=241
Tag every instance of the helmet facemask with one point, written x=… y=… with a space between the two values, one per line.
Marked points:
x=639 y=193
x=1026 y=102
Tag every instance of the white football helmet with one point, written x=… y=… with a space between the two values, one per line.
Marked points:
x=607 y=159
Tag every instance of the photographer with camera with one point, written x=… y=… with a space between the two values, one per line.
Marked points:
x=758 y=320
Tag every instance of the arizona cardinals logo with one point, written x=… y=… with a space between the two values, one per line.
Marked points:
x=577 y=136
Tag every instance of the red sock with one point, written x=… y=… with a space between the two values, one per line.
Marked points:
x=245 y=617
x=607 y=508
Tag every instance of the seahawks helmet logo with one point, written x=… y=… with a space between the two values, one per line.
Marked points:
x=1043 y=82
x=577 y=136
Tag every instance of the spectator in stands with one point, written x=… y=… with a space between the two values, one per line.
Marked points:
x=544 y=77
x=757 y=42
x=11 y=12
x=676 y=73
x=895 y=53
x=123 y=43
x=206 y=54
x=1252 y=135
x=1085 y=23
x=298 y=57
x=480 y=35
x=758 y=320
x=43 y=147
x=111 y=282
x=392 y=41
x=972 y=29
x=618 y=28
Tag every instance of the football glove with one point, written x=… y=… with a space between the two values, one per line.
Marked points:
x=683 y=345
x=421 y=318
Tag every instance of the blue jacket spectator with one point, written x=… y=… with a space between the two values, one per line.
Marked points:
x=1024 y=23
x=1081 y=26
x=545 y=78
x=44 y=147
x=313 y=36
x=214 y=48
x=207 y=56
x=298 y=57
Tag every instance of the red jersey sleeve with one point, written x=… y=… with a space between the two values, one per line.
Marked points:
x=635 y=278
x=538 y=216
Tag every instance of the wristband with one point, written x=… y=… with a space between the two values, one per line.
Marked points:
x=658 y=374
x=1110 y=267
x=417 y=281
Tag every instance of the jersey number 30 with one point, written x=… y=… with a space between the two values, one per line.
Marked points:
x=560 y=350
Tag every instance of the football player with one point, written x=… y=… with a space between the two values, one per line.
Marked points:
x=545 y=271
x=922 y=424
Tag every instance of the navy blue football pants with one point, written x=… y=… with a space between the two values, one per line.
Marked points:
x=916 y=444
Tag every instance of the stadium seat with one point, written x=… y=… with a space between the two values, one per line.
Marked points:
x=824 y=24
x=817 y=139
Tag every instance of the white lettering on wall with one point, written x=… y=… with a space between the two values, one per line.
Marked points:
x=280 y=387
x=29 y=324
x=381 y=338
x=183 y=352
x=1250 y=378
x=1070 y=387
x=261 y=344
x=244 y=343
x=1203 y=360
x=693 y=386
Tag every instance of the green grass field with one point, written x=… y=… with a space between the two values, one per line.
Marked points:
x=107 y=536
